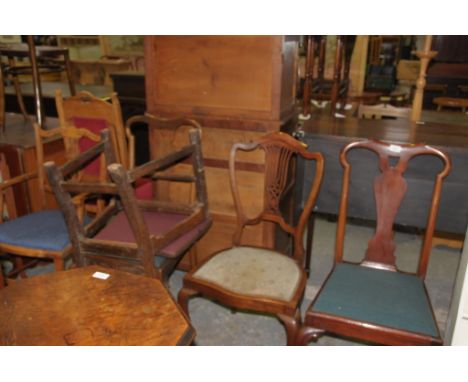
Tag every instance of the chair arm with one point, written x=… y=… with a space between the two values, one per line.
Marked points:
x=17 y=179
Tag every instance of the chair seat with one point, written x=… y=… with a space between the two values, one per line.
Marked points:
x=44 y=230
x=252 y=271
x=380 y=297
x=144 y=189
x=159 y=223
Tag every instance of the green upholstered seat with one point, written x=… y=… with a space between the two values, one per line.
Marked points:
x=252 y=272
x=381 y=297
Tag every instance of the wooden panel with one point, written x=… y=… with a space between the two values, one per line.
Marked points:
x=232 y=74
x=53 y=151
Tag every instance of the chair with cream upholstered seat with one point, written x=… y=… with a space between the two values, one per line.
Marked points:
x=261 y=279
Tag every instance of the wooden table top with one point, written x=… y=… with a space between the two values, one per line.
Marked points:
x=394 y=130
x=74 y=308
x=450 y=101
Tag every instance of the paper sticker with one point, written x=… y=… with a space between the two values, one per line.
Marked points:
x=395 y=148
x=101 y=275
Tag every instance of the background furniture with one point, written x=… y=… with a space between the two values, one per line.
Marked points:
x=124 y=309
x=461 y=103
x=320 y=88
x=19 y=146
x=43 y=59
x=328 y=136
x=383 y=110
x=238 y=88
x=449 y=69
x=373 y=300
x=256 y=278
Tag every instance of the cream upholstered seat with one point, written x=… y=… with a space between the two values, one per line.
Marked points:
x=252 y=271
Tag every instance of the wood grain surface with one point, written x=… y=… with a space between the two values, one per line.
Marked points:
x=74 y=308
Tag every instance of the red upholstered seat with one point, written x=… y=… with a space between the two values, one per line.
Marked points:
x=158 y=223
x=144 y=189
x=95 y=126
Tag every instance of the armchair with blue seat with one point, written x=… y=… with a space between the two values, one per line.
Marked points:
x=374 y=301
x=40 y=234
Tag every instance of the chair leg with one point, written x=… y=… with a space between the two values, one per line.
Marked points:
x=59 y=264
x=19 y=97
x=307 y=334
x=19 y=265
x=183 y=297
x=2 y=103
x=292 y=325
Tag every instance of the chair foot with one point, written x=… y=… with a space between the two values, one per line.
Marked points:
x=59 y=264
x=307 y=334
x=292 y=325
x=183 y=297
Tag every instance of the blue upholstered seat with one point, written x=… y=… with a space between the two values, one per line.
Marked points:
x=385 y=298
x=45 y=230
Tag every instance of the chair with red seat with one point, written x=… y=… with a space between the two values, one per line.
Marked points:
x=142 y=236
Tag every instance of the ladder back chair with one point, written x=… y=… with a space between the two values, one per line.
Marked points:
x=171 y=133
x=254 y=278
x=141 y=236
x=373 y=300
x=86 y=111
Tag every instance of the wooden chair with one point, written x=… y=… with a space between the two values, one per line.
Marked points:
x=7 y=207
x=173 y=131
x=261 y=279
x=141 y=236
x=86 y=111
x=373 y=300
x=42 y=234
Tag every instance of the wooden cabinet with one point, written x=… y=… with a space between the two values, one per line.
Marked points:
x=18 y=146
x=238 y=88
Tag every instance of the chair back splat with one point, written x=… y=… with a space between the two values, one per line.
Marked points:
x=279 y=180
x=389 y=189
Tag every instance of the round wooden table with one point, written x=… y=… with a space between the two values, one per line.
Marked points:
x=75 y=308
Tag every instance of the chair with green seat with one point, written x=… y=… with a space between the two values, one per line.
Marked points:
x=373 y=300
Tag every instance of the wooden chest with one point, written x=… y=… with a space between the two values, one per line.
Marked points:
x=238 y=88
